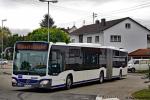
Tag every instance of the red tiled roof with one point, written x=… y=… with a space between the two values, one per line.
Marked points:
x=140 y=52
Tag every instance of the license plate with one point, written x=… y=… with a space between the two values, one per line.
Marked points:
x=28 y=85
x=20 y=85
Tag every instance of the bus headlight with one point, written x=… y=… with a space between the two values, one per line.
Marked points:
x=14 y=81
x=44 y=82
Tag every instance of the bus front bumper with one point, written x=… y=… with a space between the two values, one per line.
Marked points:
x=44 y=83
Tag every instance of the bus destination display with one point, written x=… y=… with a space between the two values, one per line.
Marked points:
x=32 y=46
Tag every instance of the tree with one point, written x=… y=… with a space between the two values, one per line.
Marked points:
x=44 y=22
x=5 y=33
x=56 y=35
x=5 y=30
x=12 y=39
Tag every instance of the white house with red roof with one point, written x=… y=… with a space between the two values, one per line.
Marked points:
x=123 y=33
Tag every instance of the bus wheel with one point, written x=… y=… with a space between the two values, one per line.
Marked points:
x=101 y=78
x=133 y=70
x=68 y=82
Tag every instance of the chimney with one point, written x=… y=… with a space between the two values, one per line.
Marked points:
x=68 y=28
x=97 y=22
x=103 y=22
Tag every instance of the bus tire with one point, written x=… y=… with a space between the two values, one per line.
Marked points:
x=69 y=82
x=101 y=77
x=133 y=70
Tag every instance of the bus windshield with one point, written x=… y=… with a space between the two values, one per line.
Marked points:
x=28 y=62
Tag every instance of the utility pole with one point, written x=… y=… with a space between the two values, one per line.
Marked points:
x=2 y=42
x=48 y=1
x=94 y=16
x=83 y=22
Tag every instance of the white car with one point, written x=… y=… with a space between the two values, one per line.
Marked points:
x=3 y=61
x=138 y=64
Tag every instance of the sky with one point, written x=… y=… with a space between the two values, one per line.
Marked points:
x=24 y=16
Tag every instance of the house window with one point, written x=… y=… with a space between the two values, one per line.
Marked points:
x=80 y=38
x=73 y=40
x=96 y=39
x=89 y=39
x=127 y=25
x=115 y=38
x=148 y=38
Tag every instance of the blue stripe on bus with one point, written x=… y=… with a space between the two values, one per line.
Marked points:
x=29 y=81
x=115 y=76
x=58 y=86
x=85 y=81
x=75 y=83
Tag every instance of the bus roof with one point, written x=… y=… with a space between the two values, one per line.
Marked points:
x=93 y=45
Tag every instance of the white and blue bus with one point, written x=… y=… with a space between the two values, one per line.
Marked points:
x=55 y=65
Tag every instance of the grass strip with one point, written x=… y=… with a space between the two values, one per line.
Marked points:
x=142 y=94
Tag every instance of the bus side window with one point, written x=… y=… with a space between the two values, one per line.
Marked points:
x=102 y=58
x=74 y=53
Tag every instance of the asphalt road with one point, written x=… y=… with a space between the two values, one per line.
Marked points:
x=121 y=89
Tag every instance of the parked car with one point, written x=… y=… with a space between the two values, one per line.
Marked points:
x=138 y=64
x=3 y=61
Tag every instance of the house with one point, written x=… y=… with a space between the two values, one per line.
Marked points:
x=69 y=30
x=123 y=33
x=73 y=28
x=140 y=54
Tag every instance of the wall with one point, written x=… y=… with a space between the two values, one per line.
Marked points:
x=74 y=37
x=101 y=38
x=131 y=39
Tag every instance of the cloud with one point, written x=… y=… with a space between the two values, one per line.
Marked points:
x=144 y=22
x=8 y=3
x=16 y=3
x=65 y=11
x=20 y=31
x=85 y=0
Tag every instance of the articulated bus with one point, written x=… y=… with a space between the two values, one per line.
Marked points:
x=55 y=65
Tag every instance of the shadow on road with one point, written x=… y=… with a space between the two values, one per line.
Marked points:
x=38 y=90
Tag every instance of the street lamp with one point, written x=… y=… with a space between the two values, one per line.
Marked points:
x=2 y=38
x=48 y=1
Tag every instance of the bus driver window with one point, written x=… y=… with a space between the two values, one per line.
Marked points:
x=55 y=60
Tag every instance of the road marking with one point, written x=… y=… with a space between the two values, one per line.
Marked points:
x=100 y=98
x=20 y=95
